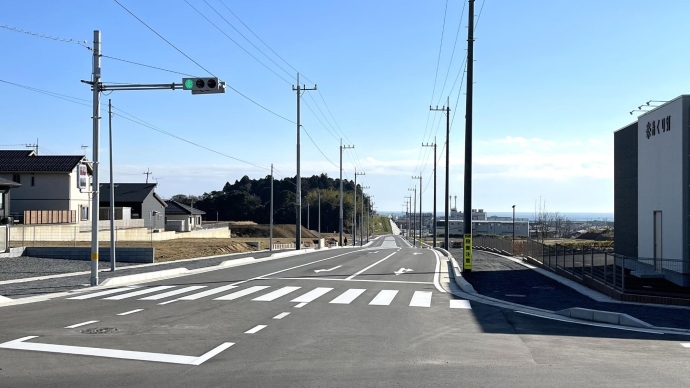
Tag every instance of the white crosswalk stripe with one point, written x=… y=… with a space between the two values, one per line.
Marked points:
x=137 y=293
x=460 y=304
x=348 y=296
x=384 y=298
x=311 y=295
x=242 y=293
x=210 y=292
x=276 y=294
x=172 y=293
x=106 y=292
x=421 y=299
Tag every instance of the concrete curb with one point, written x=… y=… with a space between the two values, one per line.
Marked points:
x=604 y=317
x=457 y=273
x=148 y=276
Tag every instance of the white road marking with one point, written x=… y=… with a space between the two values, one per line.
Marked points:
x=417 y=253
x=312 y=295
x=352 y=276
x=255 y=329
x=687 y=345
x=276 y=294
x=618 y=327
x=384 y=298
x=172 y=293
x=281 y=315
x=327 y=270
x=299 y=306
x=131 y=312
x=516 y=295
x=212 y=291
x=348 y=296
x=106 y=292
x=80 y=324
x=168 y=302
x=421 y=299
x=20 y=344
x=402 y=270
x=239 y=294
x=137 y=293
x=460 y=304
x=437 y=273
x=351 y=280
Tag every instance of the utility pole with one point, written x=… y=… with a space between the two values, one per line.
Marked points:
x=95 y=198
x=433 y=217
x=112 y=187
x=467 y=224
x=414 y=215
x=354 y=216
x=270 y=228
x=341 y=188
x=298 y=178
x=446 y=109
x=361 y=218
x=147 y=173
x=421 y=216
x=308 y=228
x=408 y=202
x=319 y=228
x=34 y=146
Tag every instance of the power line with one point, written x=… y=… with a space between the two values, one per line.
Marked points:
x=321 y=122
x=462 y=14
x=39 y=35
x=317 y=147
x=145 y=65
x=161 y=36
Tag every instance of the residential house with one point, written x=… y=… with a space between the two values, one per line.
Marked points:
x=5 y=186
x=177 y=211
x=141 y=198
x=48 y=182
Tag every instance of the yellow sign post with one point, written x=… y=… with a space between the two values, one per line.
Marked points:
x=467 y=253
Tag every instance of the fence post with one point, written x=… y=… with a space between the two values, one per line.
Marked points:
x=614 y=271
x=606 y=265
x=583 y=262
x=591 y=263
x=623 y=275
x=573 y=267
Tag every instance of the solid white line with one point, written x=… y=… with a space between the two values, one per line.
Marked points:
x=421 y=299
x=312 y=295
x=276 y=294
x=80 y=324
x=19 y=344
x=281 y=315
x=348 y=278
x=172 y=293
x=168 y=302
x=594 y=324
x=384 y=298
x=348 y=296
x=131 y=312
x=460 y=304
x=106 y=292
x=255 y=329
x=242 y=293
x=137 y=293
x=687 y=345
x=299 y=306
x=437 y=273
x=352 y=280
x=212 y=291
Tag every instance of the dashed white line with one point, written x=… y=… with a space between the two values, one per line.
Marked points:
x=80 y=324
x=299 y=306
x=168 y=302
x=255 y=329
x=281 y=315
x=460 y=304
x=687 y=345
x=131 y=312
x=357 y=273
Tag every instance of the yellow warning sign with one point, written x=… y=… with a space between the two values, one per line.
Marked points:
x=467 y=255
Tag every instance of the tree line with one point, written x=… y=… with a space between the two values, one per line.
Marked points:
x=249 y=200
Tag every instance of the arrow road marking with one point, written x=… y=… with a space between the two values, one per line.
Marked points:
x=20 y=344
x=327 y=270
x=402 y=270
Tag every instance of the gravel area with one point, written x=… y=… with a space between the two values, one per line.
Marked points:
x=504 y=279
x=39 y=267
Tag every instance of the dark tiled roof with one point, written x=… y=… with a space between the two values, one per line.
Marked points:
x=175 y=207
x=40 y=163
x=15 y=153
x=8 y=183
x=129 y=192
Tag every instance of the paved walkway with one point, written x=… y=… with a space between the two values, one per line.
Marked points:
x=500 y=278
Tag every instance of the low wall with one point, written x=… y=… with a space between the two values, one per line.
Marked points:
x=27 y=234
x=126 y=255
x=206 y=233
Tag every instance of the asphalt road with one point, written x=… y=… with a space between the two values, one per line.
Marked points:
x=350 y=317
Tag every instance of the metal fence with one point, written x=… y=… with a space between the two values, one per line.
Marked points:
x=631 y=275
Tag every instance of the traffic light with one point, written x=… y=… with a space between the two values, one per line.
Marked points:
x=203 y=85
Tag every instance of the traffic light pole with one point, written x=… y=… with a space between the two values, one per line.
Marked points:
x=341 y=188
x=298 y=178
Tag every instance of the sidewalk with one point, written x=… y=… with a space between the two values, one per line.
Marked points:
x=503 y=279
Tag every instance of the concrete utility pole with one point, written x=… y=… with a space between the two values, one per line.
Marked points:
x=421 y=216
x=112 y=187
x=467 y=224
x=95 y=199
x=361 y=218
x=147 y=173
x=308 y=228
x=414 y=216
x=408 y=202
x=354 y=213
x=341 y=188
x=34 y=146
x=433 y=217
x=446 y=227
x=319 y=230
x=298 y=178
x=270 y=228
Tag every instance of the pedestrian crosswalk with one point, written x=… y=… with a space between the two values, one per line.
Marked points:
x=294 y=294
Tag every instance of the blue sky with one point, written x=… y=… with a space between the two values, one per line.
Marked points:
x=553 y=80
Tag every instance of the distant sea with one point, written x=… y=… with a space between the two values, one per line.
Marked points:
x=573 y=216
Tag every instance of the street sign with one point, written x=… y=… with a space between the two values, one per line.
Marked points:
x=82 y=176
x=467 y=253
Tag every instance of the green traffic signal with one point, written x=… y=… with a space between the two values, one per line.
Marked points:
x=188 y=83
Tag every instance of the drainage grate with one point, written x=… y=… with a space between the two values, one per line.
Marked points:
x=100 y=330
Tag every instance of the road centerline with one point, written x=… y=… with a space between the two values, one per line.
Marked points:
x=366 y=268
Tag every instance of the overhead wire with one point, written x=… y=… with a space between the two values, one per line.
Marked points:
x=55 y=38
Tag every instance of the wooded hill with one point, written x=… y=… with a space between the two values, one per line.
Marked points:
x=249 y=200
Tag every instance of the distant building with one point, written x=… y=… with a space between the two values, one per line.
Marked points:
x=141 y=198
x=502 y=228
x=180 y=212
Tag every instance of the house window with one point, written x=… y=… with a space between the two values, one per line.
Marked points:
x=84 y=213
x=33 y=181
x=17 y=178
